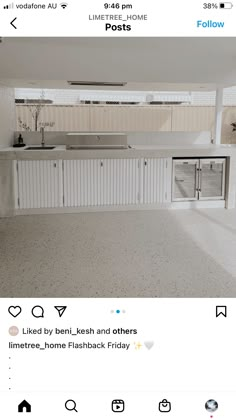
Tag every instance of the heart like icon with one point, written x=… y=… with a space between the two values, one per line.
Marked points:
x=149 y=344
x=14 y=310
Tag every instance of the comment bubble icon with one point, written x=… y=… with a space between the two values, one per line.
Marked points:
x=38 y=311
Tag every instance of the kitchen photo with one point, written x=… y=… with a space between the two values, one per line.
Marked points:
x=117 y=167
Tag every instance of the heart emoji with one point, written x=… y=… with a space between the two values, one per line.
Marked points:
x=14 y=310
x=149 y=344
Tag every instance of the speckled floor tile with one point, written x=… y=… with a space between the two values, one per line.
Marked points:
x=161 y=253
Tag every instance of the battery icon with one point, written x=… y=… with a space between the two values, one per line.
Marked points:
x=226 y=5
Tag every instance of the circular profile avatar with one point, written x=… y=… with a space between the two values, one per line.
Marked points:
x=211 y=406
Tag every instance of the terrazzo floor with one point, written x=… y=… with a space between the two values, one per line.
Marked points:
x=153 y=253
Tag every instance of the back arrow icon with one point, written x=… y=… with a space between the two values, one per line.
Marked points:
x=12 y=23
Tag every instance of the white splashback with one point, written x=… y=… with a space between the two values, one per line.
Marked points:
x=170 y=138
x=138 y=138
x=62 y=137
x=35 y=137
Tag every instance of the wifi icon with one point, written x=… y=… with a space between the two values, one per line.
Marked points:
x=63 y=5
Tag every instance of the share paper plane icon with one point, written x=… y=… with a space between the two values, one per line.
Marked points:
x=60 y=309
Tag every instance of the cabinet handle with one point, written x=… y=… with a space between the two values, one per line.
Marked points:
x=101 y=164
x=145 y=163
x=55 y=165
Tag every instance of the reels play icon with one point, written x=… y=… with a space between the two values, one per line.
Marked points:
x=118 y=406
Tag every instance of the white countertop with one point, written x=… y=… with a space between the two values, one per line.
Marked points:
x=136 y=151
x=136 y=147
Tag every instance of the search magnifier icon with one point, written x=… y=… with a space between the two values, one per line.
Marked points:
x=71 y=405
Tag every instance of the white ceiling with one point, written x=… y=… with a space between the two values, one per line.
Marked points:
x=145 y=63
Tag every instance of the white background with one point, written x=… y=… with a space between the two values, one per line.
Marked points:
x=164 y=18
x=192 y=359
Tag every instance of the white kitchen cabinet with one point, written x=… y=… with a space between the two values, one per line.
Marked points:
x=39 y=184
x=156 y=175
x=101 y=182
x=52 y=184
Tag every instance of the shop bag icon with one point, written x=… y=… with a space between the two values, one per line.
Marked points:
x=164 y=406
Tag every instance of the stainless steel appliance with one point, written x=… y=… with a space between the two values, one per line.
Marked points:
x=198 y=179
x=99 y=140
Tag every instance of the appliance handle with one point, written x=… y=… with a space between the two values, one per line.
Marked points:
x=200 y=180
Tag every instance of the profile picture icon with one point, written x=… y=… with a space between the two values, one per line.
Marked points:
x=211 y=406
x=13 y=331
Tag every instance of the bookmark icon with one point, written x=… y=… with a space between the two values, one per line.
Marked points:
x=221 y=311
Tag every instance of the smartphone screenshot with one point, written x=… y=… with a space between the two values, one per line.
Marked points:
x=117 y=210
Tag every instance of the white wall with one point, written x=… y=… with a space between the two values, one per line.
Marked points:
x=7 y=116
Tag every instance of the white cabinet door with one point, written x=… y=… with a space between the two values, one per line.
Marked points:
x=156 y=176
x=39 y=184
x=120 y=181
x=101 y=182
x=82 y=183
x=156 y=180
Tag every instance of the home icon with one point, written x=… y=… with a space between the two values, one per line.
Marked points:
x=24 y=406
